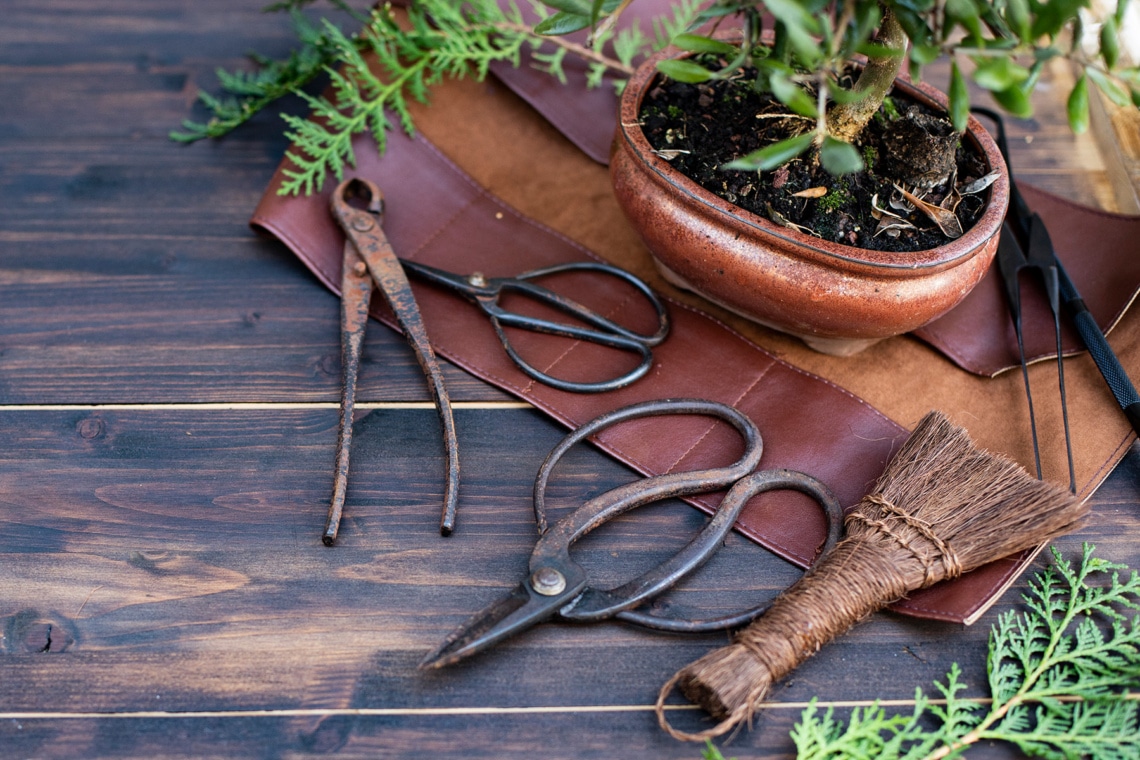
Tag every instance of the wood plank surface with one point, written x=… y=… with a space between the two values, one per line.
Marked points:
x=168 y=383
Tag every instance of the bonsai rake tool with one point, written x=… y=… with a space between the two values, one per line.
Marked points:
x=1025 y=246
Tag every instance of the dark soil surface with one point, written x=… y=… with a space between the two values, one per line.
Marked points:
x=699 y=128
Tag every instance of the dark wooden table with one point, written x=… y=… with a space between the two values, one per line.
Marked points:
x=168 y=388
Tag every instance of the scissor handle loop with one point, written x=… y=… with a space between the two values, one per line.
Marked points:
x=617 y=500
x=485 y=293
x=533 y=324
x=553 y=549
x=603 y=331
x=585 y=313
x=730 y=507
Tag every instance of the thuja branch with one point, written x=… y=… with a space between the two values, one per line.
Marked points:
x=1061 y=676
x=445 y=38
x=248 y=93
x=378 y=72
x=582 y=51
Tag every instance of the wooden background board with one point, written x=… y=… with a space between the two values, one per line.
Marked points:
x=168 y=387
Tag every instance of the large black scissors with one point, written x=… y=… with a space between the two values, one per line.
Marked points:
x=557 y=587
x=487 y=293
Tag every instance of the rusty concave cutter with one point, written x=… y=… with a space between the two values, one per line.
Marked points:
x=369 y=259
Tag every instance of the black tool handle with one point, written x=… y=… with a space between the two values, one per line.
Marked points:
x=1092 y=336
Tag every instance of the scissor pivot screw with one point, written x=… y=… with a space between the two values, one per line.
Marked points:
x=477 y=280
x=362 y=224
x=548 y=581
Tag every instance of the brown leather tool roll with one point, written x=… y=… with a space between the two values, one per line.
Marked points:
x=439 y=215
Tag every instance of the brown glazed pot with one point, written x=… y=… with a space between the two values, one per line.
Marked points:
x=839 y=299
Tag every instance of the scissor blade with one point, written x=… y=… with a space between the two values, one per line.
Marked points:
x=512 y=613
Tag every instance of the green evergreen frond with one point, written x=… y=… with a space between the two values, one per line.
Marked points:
x=685 y=15
x=252 y=91
x=377 y=73
x=1060 y=674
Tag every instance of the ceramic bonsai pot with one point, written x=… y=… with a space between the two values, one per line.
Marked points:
x=839 y=299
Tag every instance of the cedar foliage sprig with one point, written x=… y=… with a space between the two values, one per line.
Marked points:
x=249 y=92
x=443 y=38
x=1060 y=675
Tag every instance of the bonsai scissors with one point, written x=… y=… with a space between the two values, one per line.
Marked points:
x=486 y=292
x=556 y=587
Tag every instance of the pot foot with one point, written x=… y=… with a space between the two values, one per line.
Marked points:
x=829 y=346
x=838 y=346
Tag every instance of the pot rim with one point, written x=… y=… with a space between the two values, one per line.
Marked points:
x=954 y=251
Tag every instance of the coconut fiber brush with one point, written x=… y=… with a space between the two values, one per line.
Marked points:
x=941 y=508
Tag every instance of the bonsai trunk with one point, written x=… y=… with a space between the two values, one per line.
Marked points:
x=846 y=120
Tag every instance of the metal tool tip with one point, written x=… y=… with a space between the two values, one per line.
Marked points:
x=432 y=662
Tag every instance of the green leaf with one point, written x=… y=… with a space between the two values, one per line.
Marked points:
x=561 y=23
x=1078 y=106
x=698 y=43
x=959 y=98
x=1052 y=15
x=573 y=7
x=1121 y=9
x=965 y=13
x=797 y=26
x=1015 y=101
x=867 y=18
x=914 y=25
x=1017 y=16
x=1109 y=44
x=684 y=71
x=793 y=96
x=874 y=50
x=839 y=157
x=999 y=73
x=774 y=155
x=925 y=54
x=1110 y=87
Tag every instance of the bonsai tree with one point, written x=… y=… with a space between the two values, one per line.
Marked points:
x=797 y=51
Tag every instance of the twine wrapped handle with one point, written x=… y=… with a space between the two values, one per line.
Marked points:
x=941 y=508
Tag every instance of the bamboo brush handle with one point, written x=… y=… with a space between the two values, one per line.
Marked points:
x=729 y=683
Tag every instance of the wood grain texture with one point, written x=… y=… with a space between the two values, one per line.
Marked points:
x=165 y=566
x=167 y=382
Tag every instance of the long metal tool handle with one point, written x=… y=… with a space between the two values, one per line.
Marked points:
x=1093 y=337
x=386 y=271
x=363 y=229
x=356 y=294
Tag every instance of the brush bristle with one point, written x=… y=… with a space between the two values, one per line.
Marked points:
x=982 y=504
x=942 y=506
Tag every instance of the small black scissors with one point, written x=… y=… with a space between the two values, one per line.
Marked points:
x=486 y=292
x=556 y=587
